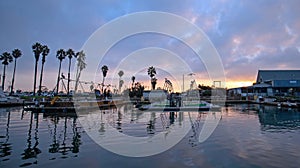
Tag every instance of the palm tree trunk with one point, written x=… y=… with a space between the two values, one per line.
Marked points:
x=35 y=72
x=77 y=79
x=41 y=79
x=68 y=87
x=57 y=85
x=103 y=84
x=119 y=84
x=13 y=79
x=3 y=77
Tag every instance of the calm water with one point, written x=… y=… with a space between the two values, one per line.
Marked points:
x=246 y=136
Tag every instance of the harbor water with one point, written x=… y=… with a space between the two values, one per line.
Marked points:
x=246 y=136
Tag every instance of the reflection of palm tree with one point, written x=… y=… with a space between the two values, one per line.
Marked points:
x=80 y=66
x=45 y=52
x=152 y=73
x=16 y=53
x=70 y=53
x=5 y=148
x=102 y=127
x=64 y=148
x=37 y=49
x=54 y=148
x=31 y=152
x=172 y=117
x=64 y=152
x=76 y=138
x=6 y=59
x=36 y=138
x=151 y=125
x=60 y=55
x=194 y=138
x=102 y=124
x=119 y=121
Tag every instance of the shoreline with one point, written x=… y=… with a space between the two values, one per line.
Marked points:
x=226 y=103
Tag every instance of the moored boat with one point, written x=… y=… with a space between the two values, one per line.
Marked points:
x=6 y=100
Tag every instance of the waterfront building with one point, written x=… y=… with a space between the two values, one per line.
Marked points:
x=270 y=83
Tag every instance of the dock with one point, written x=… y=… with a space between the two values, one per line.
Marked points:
x=70 y=108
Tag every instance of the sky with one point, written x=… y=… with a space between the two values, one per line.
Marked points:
x=248 y=36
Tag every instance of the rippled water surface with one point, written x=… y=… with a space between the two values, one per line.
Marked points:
x=246 y=136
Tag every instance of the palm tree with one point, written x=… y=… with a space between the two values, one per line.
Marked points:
x=104 y=69
x=121 y=73
x=152 y=73
x=37 y=50
x=16 y=53
x=80 y=66
x=153 y=83
x=45 y=52
x=133 y=79
x=70 y=53
x=121 y=84
x=60 y=55
x=6 y=59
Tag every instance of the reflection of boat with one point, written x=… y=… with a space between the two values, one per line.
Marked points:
x=287 y=104
x=186 y=106
x=275 y=118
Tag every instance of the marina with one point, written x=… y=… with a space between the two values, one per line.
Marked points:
x=149 y=84
x=247 y=136
x=68 y=107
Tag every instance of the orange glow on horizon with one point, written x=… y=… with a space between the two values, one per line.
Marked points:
x=238 y=83
x=229 y=84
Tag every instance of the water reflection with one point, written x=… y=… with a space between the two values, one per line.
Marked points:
x=32 y=151
x=278 y=119
x=172 y=117
x=119 y=121
x=195 y=127
x=61 y=144
x=5 y=145
x=151 y=123
x=128 y=130
x=130 y=121
x=37 y=139
x=54 y=147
